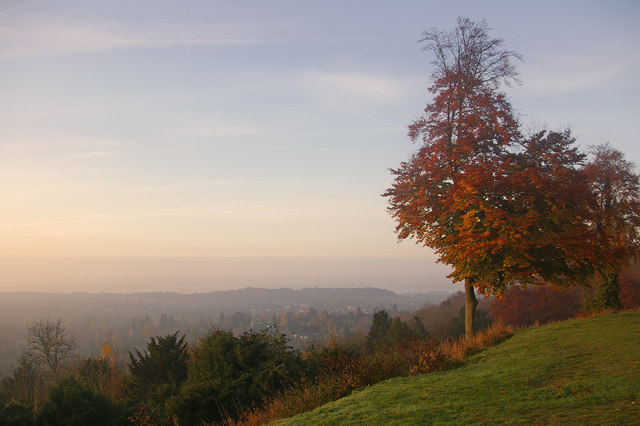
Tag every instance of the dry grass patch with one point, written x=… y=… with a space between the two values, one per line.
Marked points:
x=346 y=374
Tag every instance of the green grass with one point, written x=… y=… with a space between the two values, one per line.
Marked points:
x=584 y=371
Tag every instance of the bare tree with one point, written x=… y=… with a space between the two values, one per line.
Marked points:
x=49 y=345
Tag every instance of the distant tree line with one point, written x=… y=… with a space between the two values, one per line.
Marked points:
x=224 y=375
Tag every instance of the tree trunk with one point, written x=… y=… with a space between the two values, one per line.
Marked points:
x=470 y=303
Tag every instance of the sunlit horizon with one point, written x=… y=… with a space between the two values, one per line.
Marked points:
x=162 y=146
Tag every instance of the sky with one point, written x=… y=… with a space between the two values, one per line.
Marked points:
x=202 y=145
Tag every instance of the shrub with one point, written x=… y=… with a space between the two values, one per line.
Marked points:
x=524 y=307
x=630 y=286
x=15 y=413
x=341 y=371
x=158 y=371
x=73 y=403
x=605 y=295
x=229 y=375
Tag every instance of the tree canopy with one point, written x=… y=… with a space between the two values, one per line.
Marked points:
x=464 y=134
x=614 y=206
x=614 y=209
x=498 y=207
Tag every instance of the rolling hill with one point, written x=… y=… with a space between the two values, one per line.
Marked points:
x=583 y=371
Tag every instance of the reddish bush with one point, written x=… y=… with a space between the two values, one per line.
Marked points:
x=630 y=287
x=523 y=307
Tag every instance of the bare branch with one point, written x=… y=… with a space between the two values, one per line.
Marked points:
x=469 y=52
x=48 y=345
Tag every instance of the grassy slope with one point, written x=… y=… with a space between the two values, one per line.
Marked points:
x=584 y=371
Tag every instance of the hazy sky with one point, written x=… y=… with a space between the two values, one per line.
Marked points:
x=197 y=145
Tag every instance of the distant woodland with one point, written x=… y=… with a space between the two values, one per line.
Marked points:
x=252 y=355
x=126 y=321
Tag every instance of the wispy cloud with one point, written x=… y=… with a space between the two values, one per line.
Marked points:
x=566 y=72
x=61 y=146
x=202 y=128
x=185 y=185
x=88 y=155
x=13 y=10
x=345 y=90
x=92 y=219
x=29 y=35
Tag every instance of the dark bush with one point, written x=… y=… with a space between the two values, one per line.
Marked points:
x=15 y=413
x=158 y=371
x=229 y=375
x=72 y=403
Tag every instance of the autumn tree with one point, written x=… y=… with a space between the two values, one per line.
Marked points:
x=468 y=122
x=615 y=219
x=542 y=232
x=104 y=374
x=497 y=207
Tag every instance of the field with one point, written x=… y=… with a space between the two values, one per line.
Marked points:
x=584 y=371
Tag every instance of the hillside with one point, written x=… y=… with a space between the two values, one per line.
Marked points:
x=584 y=371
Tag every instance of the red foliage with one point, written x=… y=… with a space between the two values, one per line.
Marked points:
x=497 y=207
x=614 y=205
x=522 y=307
x=630 y=287
x=443 y=194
